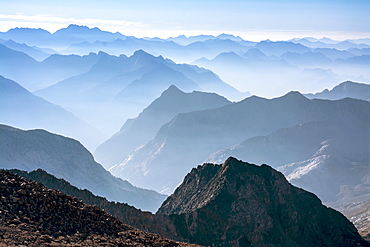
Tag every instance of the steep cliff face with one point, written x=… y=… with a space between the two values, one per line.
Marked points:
x=31 y=214
x=239 y=204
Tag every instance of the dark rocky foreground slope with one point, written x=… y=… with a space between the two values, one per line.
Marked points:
x=233 y=204
x=33 y=215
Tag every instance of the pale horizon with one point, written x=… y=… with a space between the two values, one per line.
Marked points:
x=251 y=20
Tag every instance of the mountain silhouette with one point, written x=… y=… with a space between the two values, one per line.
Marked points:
x=249 y=205
x=34 y=75
x=120 y=87
x=343 y=90
x=138 y=131
x=189 y=137
x=33 y=52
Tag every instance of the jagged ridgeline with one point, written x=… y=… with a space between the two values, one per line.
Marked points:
x=233 y=204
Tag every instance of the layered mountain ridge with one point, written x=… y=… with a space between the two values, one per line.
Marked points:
x=138 y=131
x=189 y=138
x=67 y=158
x=117 y=88
x=343 y=90
x=243 y=204
x=23 y=109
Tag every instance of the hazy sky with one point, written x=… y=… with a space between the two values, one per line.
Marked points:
x=253 y=20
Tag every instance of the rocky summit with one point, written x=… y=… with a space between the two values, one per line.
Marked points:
x=240 y=204
x=33 y=215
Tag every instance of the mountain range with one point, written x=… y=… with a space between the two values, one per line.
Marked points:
x=245 y=204
x=34 y=75
x=289 y=68
x=72 y=89
x=37 y=53
x=343 y=90
x=68 y=159
x=23 y=109
x=348 y=60
x=189 y=138
x=117 y=88
x=138 y=131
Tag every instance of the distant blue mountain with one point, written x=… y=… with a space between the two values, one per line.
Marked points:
x=188 y=138
x=61 y=38
x=347 y=89
x=86 y=33
x=138 y=131
x=280 y=47
x=183 y=40
x=30 y=36
x=34 y=75
x=328 y=43
x=120 y=87
x=23 y=109
x=334 y=54
x=33 y=52
x=307 y=59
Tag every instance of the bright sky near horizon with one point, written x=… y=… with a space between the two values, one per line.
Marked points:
x=251 y=19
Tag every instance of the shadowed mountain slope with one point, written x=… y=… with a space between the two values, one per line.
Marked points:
x=248 y=205
x=138 y=131
x=67 y=158
x=189 y=138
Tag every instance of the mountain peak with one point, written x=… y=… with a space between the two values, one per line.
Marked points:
x=171 y=90
x=254 y=52
x=294 y=95
x=141 y=52
x=347 y=89
x=145 y=56
x=24 y=30
x=76 y=27
x=78 y=30
x=263 y=205
x=348 y=85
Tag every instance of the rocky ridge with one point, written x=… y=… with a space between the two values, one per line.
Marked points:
x=249 y=205
x=34 y=215
x=243 y=204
